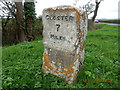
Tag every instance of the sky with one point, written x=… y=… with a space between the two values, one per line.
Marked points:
x=108 y=9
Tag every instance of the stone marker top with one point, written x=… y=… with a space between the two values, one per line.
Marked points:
x=64 y=7
x=62 y=27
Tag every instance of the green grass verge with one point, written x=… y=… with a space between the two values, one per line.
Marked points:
x=22 y=63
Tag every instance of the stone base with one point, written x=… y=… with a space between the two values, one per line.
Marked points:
x=61 y=64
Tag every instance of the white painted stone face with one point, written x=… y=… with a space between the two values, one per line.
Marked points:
x=60 y=30
x=64 y=35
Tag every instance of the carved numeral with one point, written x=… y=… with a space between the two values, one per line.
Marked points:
x=58 y=26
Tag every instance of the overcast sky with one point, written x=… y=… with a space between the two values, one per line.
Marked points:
x=108 y=8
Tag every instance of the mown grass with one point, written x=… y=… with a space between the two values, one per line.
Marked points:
x=22 y=63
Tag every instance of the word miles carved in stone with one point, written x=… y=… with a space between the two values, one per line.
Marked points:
x=64 y=34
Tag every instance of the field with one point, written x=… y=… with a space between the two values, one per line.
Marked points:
x=21 y=63
x=110 y=21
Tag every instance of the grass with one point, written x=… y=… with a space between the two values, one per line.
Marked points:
x=22 y=63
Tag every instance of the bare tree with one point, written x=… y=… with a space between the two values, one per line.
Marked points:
x=90 y=7
x=15 y=10
x=96 y=9
x=20 y=22
x=7 y=9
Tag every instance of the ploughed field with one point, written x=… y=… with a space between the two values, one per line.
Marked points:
x=22 y=63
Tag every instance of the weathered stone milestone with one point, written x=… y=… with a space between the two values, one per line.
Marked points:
x=64 y=34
